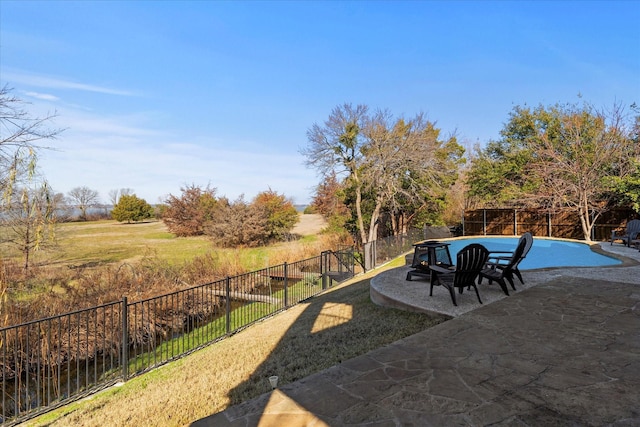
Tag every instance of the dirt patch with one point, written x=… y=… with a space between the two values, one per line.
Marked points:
x=309 y=224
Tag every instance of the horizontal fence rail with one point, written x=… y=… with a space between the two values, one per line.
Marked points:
x=50 y=362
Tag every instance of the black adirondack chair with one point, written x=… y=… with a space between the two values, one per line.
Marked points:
x=501 y=267
x=631 y=232
x=469 y=262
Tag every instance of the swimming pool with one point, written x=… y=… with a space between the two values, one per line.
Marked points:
x=543 y=254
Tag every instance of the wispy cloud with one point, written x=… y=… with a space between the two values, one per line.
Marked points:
x=106 y=152
x=156 y=170
x=42 y=96
x=113 y=127
x=51 y=82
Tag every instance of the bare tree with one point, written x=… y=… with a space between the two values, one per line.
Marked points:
x=394 y=163
x=407 y=165
x=20 y=135
x=28 y=221
x=83 y=198
x=26 y=207
x=114 y=195
x=338 y=148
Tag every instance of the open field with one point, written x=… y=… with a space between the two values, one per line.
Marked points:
x=90 y=244
x=309 y=225
x=84 y=267
x=110 y=241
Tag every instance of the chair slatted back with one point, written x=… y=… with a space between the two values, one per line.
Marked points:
x=469 y=262
x=633 y=228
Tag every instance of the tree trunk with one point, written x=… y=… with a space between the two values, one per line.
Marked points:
x=25 y=250
x=363 y=235
x=585 y=220
x=373 y=225
x=395 y=223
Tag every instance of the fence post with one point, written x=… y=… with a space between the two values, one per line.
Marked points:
x=515 y=222
x=484 y=222
x=548 y=223
x=228 y=304
x=463 y=233
x=353 y=261
x=324 y=270
x=286 y=285
x=125 y=339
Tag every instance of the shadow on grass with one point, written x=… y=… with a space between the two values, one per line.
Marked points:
x=336 y=326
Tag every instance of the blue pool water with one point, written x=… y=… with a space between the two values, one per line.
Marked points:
x=544 y=252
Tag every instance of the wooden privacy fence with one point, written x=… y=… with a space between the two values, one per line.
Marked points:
x=541 y=222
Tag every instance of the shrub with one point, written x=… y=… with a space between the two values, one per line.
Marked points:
x=188 y=214
x=280 y=212
x=238 y=224
x=131 y=208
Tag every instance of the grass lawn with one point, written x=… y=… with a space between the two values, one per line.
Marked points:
x=97 y=243
x=103 y=242
x=338 y=325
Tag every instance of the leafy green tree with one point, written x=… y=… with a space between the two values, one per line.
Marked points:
x=280 y=212
x=130 y=208
x=496 y=177
x=628 y=188
x=568 y=156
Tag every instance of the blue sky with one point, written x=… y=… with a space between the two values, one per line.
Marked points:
x=158 y=95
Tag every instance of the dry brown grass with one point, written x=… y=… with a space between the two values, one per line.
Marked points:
x=103 y=261
x=338 y=325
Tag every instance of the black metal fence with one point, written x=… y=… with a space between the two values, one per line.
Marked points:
x=378 y=252
x=49 y=362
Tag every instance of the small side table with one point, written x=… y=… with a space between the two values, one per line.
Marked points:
x=431 y=252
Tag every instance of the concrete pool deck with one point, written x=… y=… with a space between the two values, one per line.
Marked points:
x=562 y=350
x=390 y=288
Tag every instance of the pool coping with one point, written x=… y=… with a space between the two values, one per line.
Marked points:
x=391 y=289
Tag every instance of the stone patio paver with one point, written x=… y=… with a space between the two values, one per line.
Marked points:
x=563 y=351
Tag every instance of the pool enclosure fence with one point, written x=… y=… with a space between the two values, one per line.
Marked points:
x=540 y=222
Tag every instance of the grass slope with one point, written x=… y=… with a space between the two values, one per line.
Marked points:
x=336 y=326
